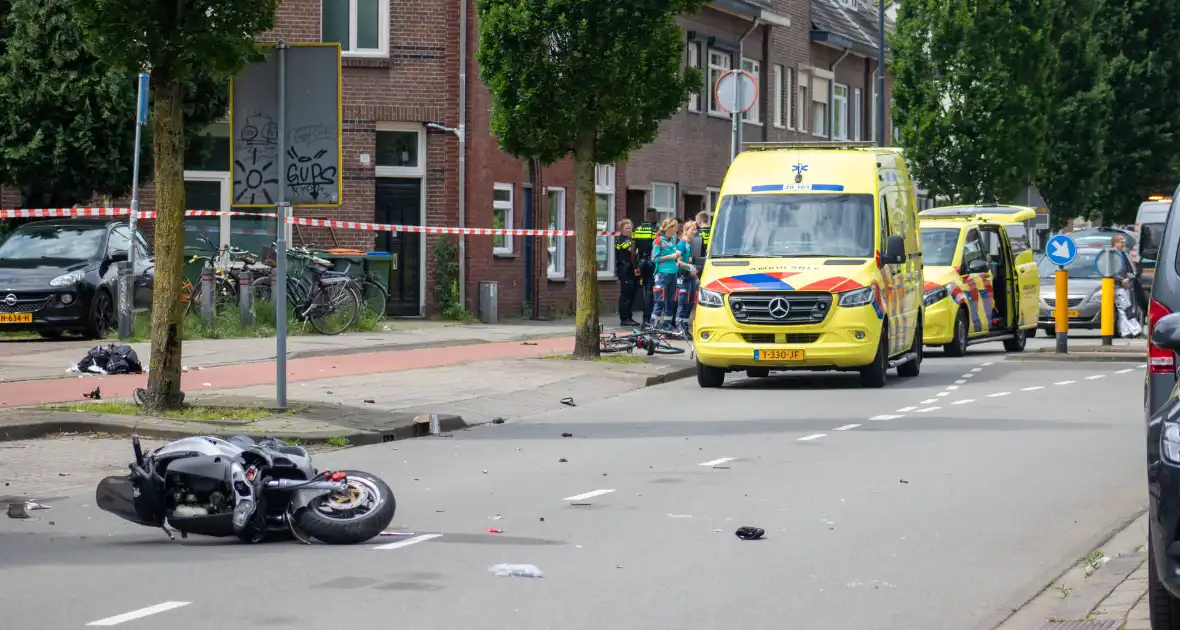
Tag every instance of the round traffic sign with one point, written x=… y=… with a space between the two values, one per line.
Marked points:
x=1109 y=262
x=1061 y=250
x=726 y=91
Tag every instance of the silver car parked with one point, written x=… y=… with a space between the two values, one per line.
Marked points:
x=1085 y=293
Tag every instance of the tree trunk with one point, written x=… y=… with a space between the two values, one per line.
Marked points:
x=586 y=342
x=163 y=391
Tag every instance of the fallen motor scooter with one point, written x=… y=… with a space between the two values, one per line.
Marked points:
x=253 y=490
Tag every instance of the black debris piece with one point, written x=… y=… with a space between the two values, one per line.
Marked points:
x=904 y=481
x=94 y=395
x=750 y=533
x=567 y=435
x=370 y=401
x=111 y=359
x=568 y=402
x=562 y=460
x=497 y=421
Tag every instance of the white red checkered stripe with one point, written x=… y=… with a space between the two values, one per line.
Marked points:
x=38 y=213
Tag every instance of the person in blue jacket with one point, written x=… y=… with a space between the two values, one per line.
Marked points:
x=666 y=255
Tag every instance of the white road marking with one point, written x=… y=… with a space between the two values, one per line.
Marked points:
x=409 y=541
x=927 y=409
x=138 y=614
x=1124 y=371
x=1141 y=366
x=889 y=417
x=953 y=386
x=976 y=369
x=1088 y=378
x=847 y=427
x=963 y=402
x=588 y=495
x=720 y=460
x=959 y=382
x=988 y=363
x=813 y=436
x=928 y=401
x=968 y=375
x=1033 y=389
x=997 y=394
x=905 y=409
x=1064 y=382
x=941 y=394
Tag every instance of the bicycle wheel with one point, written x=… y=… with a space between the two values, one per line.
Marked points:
x=262 y=289
x=374 y=297
x=659 y=345
x=610 y=345
x=334 y=308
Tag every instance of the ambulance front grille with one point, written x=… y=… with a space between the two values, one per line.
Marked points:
x=803 y=307
x=769 y=338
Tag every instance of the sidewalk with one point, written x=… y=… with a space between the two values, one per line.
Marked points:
x=27 y=360
x=1088 y=349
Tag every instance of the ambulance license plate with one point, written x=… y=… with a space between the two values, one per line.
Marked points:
x=778 y=355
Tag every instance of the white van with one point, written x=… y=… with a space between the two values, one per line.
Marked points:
x=1149 y=227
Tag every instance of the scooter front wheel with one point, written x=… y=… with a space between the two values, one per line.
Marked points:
x=360 y=512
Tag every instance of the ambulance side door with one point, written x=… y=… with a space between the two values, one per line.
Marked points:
x=974 y=250
x=1026 y=285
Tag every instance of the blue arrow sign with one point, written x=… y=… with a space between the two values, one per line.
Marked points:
x=1061 y=250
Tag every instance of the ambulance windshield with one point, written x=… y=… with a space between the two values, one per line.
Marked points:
x=794 y=225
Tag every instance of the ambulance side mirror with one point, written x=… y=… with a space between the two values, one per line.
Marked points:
x=975 y=266
x=894 y=251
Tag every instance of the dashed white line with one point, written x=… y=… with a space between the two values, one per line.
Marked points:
x=1033 y=389
x=1095 y=377
x=1141 y=366
x=409 y=541
x=964 y=401
x=1125 y=371
x=927 y=409
x=976 y=369
x=960 y=382
x=715 y=462
x=928 y=401
x=1064 y=382
x=889 y=417
x=138 y=614
x=588 y=495
x=988 y=363
x=997 y=394
x=813 y=436
x=968 y=375
x=906 y=409
x=954 y=386
x=941 y=394
x=847 y=427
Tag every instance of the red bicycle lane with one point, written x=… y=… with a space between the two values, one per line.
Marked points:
x=60 y=390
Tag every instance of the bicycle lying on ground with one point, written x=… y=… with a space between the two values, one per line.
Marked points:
x=650 y=341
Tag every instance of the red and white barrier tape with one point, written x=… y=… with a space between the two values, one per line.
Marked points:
x=38 y=213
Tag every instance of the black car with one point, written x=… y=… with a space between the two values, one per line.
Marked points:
x=1163 y=489
x=60 y=276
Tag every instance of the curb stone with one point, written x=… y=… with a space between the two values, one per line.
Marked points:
x=1098 y=586
x=1080 y=357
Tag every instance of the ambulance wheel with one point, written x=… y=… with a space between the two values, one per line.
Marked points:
x=1032 y=332
x=913 y=368
x=958 y=345
x=873 y=374
x=710 y=377
x=1016 y=343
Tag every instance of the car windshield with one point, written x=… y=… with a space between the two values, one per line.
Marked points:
x=1084 y=266
x=794 y=225
x=63 y=242
x=939 y=245
x=1151 y=235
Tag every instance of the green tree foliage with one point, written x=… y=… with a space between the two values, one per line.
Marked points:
x=969 y=93
x=1139 y=42
x=588 y=78
x=181 y=41
x=67 y=128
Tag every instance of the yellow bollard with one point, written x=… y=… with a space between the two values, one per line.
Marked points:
x=1108 y=318
x=1061 y=311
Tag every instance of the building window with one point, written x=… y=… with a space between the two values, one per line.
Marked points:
x=694 y=61
x=663 y=199
x=361 y=27
x=502 y=219
x=555 y=202
x=819 y=119
x=604 y=210
x=801 y=106
x=840 y=112
x=713 y=197
x=858 y=114
x=401 y=150
x=755 y=68
x=719 y=64
x=777 y=102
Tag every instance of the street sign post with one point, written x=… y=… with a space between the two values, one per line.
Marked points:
x=1061 y=251
x=736 y=92
x=126 y=287
x=1108 y=262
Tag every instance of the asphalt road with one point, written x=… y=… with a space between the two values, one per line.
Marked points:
x=940 y=502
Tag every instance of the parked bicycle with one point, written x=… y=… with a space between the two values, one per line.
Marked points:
x=373 y=294
x=650 y=341
x=329 y=300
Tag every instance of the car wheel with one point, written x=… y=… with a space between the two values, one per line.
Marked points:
x=958 y=345
x=1017 y=342
x=758 y=372
x=1032 y=332
x=1165 y=609
x=913 y=368
x=51 y=334
x=101 y=315
x=874 y=374
x=709 y=377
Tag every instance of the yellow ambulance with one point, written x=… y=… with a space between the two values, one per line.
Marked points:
x=981 y=284
x=814 y=263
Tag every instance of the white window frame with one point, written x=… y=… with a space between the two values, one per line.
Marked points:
x=839 y=111
x=382 y=50
x=778 y=95
x=556 y=268
x=664 y=211
x=403 y=171
x=820 y=115
x=224 y=224
x=789 y=97
x=694 y=61
x=753 y=116
x=508 y=206
x=801 y=107
x=712 y=199
x=604 y=184
x=721 y=68
x=858 y=114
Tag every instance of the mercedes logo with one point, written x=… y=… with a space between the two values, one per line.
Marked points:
x=779 y=308
x=10 y=299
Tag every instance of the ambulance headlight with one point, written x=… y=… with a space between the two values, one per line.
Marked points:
x=711 y=299
x=856 y=297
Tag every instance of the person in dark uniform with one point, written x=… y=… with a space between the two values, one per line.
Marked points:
x=703 y=230
x=643 y=236
x=627 y=271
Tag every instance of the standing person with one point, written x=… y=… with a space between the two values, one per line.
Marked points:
x=704 y=228
x=686 y=280
x=627 y=271
x=666 y=256
x=1129 y=276
x=643 y=236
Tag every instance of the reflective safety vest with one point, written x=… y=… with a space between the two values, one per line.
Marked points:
x=643 y=235
x=704 y=234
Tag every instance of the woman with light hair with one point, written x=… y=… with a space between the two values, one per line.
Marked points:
x=686 y=278
x=666 y=255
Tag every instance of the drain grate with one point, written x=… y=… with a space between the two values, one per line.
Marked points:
x=1082 y=625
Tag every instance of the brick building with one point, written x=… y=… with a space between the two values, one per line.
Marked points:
x=407 y=90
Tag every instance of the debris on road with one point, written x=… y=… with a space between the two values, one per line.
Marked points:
x=493 y=530
x=904 y=481
x=563 y=461
x=111 y=359
x=750 y=533
x=94 y=395
x=516 y=570
x=370 y=401
x=568 y=402
x=497 y=421
x=17 y=510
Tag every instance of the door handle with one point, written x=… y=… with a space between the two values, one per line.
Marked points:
x=394 y=265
